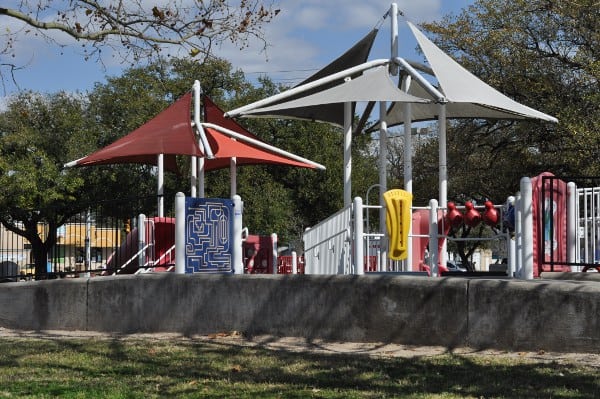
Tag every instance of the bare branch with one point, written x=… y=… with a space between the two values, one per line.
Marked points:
x=136 y=31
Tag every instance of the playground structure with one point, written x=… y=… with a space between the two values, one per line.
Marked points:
x=550 y=225
x=567 y=241
x=343 y=243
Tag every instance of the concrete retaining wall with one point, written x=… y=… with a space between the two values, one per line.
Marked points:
x=451 y=312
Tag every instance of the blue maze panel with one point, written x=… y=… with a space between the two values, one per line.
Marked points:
x=208 y=235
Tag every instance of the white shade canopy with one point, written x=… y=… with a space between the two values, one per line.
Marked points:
x=372 y=85
x=467 y=95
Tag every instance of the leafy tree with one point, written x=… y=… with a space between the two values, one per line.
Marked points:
x=541 y=53
x=134 y=30
x=37 y=136
x=544 y=54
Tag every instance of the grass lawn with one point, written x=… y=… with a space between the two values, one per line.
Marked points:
x=149 y=368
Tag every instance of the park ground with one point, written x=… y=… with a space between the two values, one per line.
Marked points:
x=318 y=346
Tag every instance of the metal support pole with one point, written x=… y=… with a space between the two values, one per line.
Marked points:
x=394 y=37
x=193 y=177
x=274 y=246
x=359 y=259
x=233 y=176
x=238 y=210
x=527 y=227
x=161 y=185
x=443 y=172
x=383 y=150
x=180 y=233
x=408 y=174
x=141 y=240
x=294 y=262
x=347 y=153
x=201 y=177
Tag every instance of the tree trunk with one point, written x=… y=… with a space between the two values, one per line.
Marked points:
x=40 y=248
x=40 y=259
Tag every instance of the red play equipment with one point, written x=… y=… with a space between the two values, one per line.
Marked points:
x=157 y=251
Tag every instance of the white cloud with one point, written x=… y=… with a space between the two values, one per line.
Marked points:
x=305 y=36
x=308 y=34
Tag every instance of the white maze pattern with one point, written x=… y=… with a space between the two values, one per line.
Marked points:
x=209 y=225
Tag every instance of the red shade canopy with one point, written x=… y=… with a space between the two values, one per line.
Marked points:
x=171 y=133
x=225 y=147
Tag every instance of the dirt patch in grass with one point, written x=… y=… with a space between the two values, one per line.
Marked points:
x=296 y=344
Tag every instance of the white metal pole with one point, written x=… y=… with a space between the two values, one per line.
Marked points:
x=274 y=253
x=233 y=176
x=443 y=171
x=263 y=145
x=383 y=151
x=394 y=38
x=141 y=240
x=527 y=227
x=359 y=259
x=180 y=233
x=294 y=262
x=238 y=210
x=408 y=150
x=308 y=86
x=161 y=185
x=347 y=153
x=518 y=235
x=193 y=177
x=205 y=146
x=424 y=83
x=572 y=224
x=443 y=165
x=433 y=237
x=201 y=178
x=511 y=258
x=408 y=174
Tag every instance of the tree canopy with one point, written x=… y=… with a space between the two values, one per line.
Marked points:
x=40 y=133
x=544 y=54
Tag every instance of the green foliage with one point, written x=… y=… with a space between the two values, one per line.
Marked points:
x=34 y=133
x=40 y=133
x=544 y=54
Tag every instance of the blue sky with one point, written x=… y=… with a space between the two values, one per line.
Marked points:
x=304 y=37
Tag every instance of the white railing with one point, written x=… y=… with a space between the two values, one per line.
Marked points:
x=327 y=245
x=344 y=244
x=587 y=247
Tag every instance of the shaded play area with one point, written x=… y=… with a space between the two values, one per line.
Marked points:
x=549 y=225
x=370 y=272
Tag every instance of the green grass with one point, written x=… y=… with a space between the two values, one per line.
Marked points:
x=131 y=368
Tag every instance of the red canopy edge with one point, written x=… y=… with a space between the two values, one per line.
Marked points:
x=169 y=133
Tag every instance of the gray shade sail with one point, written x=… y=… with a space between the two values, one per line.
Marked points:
x=374 y=85
x=329 y=112
x=467 y=95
